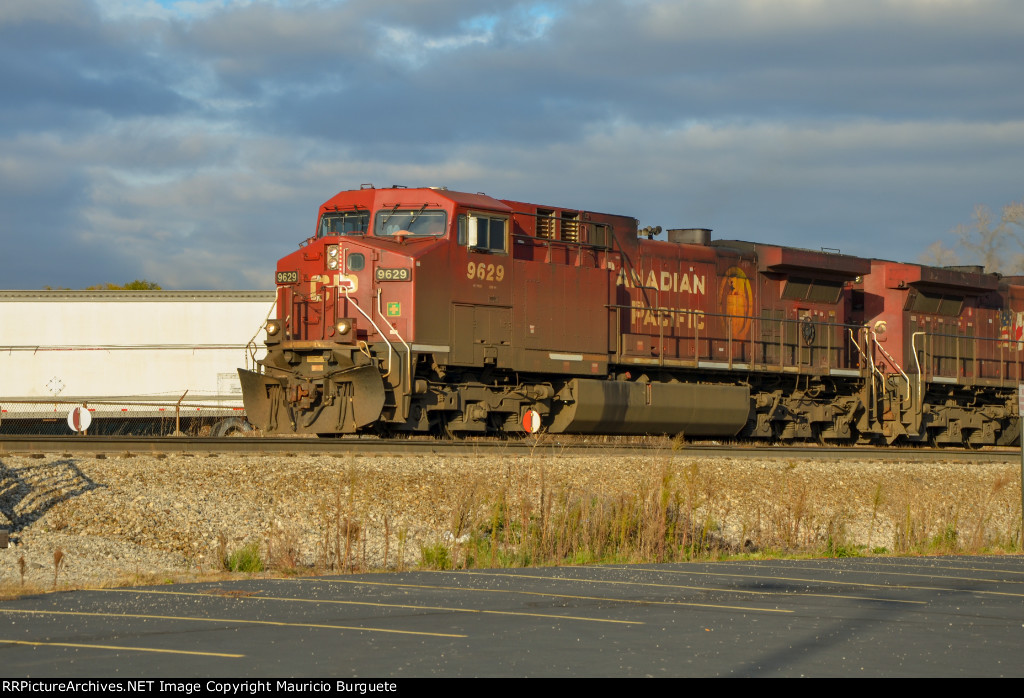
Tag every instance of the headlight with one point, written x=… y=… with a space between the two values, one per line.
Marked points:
x=332 y=262
x=332 y=257
x=273 y=327
x=343 y=326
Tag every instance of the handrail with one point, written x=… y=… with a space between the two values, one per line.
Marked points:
x=872 y=406
x=691 y=332
x=370 y=320
x=980 y=344
x=408 y=350
x=702 y=313
x=547 y=242
x=867 y=359
x=874 y=337
x=920 y=377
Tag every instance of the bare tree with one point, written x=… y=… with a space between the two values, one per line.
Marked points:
x=997 y=245
x=938 y=255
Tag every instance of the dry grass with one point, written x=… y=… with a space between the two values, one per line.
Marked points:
x=688 y=511
x=527 y=511
x=348 y=514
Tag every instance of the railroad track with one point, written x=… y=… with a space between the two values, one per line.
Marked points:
x=544 y=446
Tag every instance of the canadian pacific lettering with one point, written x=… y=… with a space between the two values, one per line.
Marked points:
x=663 y=281
x=669 y=317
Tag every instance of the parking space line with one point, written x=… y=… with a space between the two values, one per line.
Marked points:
x=691 y=588
x=638 y=602
x=383 y=605
x=918 y=574
x=229 y=620
x=898 y=574
x=829 y=581
x=118 y=648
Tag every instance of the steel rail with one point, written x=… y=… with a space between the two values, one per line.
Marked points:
x=548 y=445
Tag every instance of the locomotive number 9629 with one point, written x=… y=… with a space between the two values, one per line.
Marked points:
x=485 y=272
x=400 y=274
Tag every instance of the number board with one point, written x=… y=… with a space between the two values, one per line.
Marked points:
x=287 y=277
x=399 y=274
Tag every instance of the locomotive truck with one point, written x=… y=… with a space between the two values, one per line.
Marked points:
x=429 y=310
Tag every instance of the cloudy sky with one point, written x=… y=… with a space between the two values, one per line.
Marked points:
x=189 y=142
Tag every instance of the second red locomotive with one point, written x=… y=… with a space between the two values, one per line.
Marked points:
x=428 y=310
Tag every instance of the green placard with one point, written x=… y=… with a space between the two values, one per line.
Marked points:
x=394 y=308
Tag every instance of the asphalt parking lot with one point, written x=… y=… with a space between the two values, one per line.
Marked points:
x=946 y=616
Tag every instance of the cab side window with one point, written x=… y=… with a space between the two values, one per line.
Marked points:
x=484 y=232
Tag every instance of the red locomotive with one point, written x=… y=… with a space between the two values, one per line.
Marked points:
x=428 y=310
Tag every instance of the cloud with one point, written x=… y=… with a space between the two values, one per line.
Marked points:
x=62 y=67
x=192 y=141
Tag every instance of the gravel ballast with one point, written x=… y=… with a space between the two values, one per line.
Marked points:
x=133 y=518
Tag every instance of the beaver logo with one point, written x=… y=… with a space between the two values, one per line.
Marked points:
x=737 y=300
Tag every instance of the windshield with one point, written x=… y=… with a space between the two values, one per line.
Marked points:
x=344 y=223
x=410 y=222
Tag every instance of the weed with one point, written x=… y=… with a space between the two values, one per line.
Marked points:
x=245 y=559
x=341 y=531
x=876 y=502
x=435 y=557
x=58 y=564
x=283 y=551
x=222 y=548
x=833 y=548
x=984 y=510
x=402 y=537
x=945 y=541
x=836 y=544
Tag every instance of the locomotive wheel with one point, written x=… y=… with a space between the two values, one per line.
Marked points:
x=854 y=437
x=496 y=428
x=972 y=445
x=867 y=439
x=381 y=431
x=440 y=431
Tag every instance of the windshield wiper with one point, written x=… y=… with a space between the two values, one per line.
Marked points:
x=416 y=215
x=389 y=216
